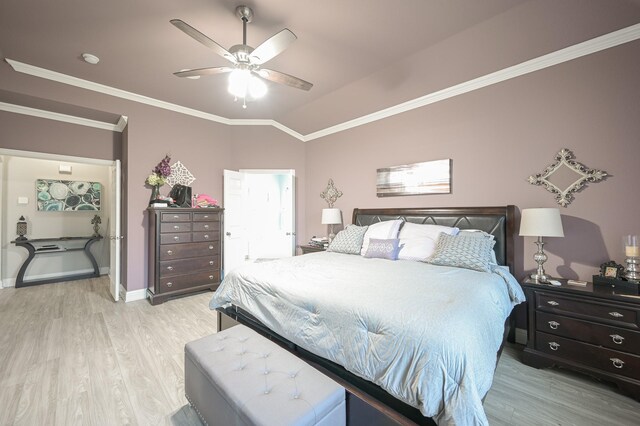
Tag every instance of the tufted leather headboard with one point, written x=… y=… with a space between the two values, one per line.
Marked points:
x=498 y=221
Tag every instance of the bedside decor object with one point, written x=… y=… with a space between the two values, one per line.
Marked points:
x=611 y=269
x=568 y=170
x=21 y=229
x=541 y=222
x=632 y=252
x=96 y=221
x=67 y=195
x=429 y=177
x=158 y=177
x=180 y=174
x=331 y=217
x=331 y=194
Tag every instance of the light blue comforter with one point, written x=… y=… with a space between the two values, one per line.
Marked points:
x=428 y=335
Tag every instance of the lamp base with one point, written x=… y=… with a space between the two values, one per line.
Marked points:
x=541 y=278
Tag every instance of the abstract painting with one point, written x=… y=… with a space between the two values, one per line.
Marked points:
x=67 y=195
x=430 y=177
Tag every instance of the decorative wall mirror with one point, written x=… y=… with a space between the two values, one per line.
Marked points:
x=565 y=177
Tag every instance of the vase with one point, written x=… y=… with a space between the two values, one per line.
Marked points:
x=155 y=193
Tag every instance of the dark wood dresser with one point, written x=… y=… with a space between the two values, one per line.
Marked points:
x=184 y=251
x=593 y=330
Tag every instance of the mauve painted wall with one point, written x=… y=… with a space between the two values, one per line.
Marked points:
x=499 y=135
x=28 y=133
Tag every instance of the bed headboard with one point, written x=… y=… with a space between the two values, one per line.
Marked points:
x=497 y=221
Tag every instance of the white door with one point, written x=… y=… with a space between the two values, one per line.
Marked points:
x=114 y=231
x=235 y=234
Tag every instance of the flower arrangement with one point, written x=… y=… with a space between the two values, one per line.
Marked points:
x=158 y=176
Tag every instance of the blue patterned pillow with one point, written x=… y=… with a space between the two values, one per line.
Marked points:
x=383 y=249
x=349 y=240
x=463 y=252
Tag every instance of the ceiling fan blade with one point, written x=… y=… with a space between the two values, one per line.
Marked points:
x=198 y=36
x=272 y=47
x=282 y=78
x=202 y=71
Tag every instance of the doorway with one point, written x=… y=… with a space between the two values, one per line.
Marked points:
x=259 y=215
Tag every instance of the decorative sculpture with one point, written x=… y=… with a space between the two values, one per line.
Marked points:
x=331 y=193
x=96 y=221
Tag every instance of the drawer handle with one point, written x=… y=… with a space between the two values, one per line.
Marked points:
x=206 y=236
x=176 y=238
x=169 y=284
x=616 y=314
x=617 y=339
x=617 y=363
x=206 y=216
x=170 y=268
x=175 y=216
x=211 y=262
x=553 y=303
x=554 y=325
x=210 y=277
x=169 y=252
x=176 y=227
x=210 y=247
x=206 y=227
x=554 y=346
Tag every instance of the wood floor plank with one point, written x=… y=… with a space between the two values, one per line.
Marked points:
x=69 y=355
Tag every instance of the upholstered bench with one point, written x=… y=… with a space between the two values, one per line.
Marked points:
x=238 y=377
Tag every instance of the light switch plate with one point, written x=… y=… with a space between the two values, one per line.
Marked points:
x=23 y=200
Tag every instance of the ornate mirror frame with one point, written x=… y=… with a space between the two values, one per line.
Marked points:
x=566 y=158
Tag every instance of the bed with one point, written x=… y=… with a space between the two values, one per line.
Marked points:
x=418 y=342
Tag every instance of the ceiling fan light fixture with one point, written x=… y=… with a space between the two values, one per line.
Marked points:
x=257 y=88
x=239 y=82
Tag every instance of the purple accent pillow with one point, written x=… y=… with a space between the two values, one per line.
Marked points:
x=383 y=249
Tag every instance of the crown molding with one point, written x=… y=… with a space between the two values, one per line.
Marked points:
x=34 y=112
x=588 y=47
x=122 y=123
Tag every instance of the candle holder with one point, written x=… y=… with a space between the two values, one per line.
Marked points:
x=632 y=252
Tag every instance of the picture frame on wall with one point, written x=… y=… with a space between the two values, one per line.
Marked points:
x=66 y=195
x=429 y=177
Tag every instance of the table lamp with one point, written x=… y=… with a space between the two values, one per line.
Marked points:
x=331 y=217
x=541 y=222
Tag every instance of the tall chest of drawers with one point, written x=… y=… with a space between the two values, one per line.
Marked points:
x=184 y=251
x=593 y=330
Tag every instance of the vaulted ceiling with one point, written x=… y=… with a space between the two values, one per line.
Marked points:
x=361 y=55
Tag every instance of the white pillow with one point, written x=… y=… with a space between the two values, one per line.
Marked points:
x=418 y=241
x=381 y=231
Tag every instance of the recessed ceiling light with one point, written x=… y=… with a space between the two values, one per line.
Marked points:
x=90 y=59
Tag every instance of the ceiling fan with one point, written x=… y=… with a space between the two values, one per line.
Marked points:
x=246 y=70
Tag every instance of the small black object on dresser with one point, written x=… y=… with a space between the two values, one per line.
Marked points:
x=591 y=329
x=184 y=251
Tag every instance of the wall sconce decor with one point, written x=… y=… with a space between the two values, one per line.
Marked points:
x=331 y=193
x=565 y=177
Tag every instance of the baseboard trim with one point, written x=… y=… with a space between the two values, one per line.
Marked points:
x=11 y=282
x=133 y=295
x=521 y=336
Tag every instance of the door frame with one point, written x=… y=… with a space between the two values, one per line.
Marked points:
x=51 y=157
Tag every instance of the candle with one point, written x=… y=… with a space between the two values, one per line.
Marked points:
x=632 y=251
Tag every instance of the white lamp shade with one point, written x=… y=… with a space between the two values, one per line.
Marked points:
x=541 y=222
x=331 y=216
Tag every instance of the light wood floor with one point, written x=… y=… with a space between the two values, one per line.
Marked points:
x=71 y=356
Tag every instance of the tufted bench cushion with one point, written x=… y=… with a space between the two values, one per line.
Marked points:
x=238 y=377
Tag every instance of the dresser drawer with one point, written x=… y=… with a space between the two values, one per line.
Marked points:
x=206 y=217
x=175 y=217
x=206 y=236
x=206 y=226
x=596 y=311
x=617 y=338
x=181 y=251
x=170 y=268
x=589 y=355
x=184 y=237
x=190 y=280
x=175 y=227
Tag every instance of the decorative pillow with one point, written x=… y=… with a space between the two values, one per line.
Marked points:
x=463 y=252
x=381 y=230
x=419 y=241
x=349 y=240
x=383 y=249
x=476 y=233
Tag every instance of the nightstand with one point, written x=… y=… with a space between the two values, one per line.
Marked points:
x=592 y=329
x=306 y=249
